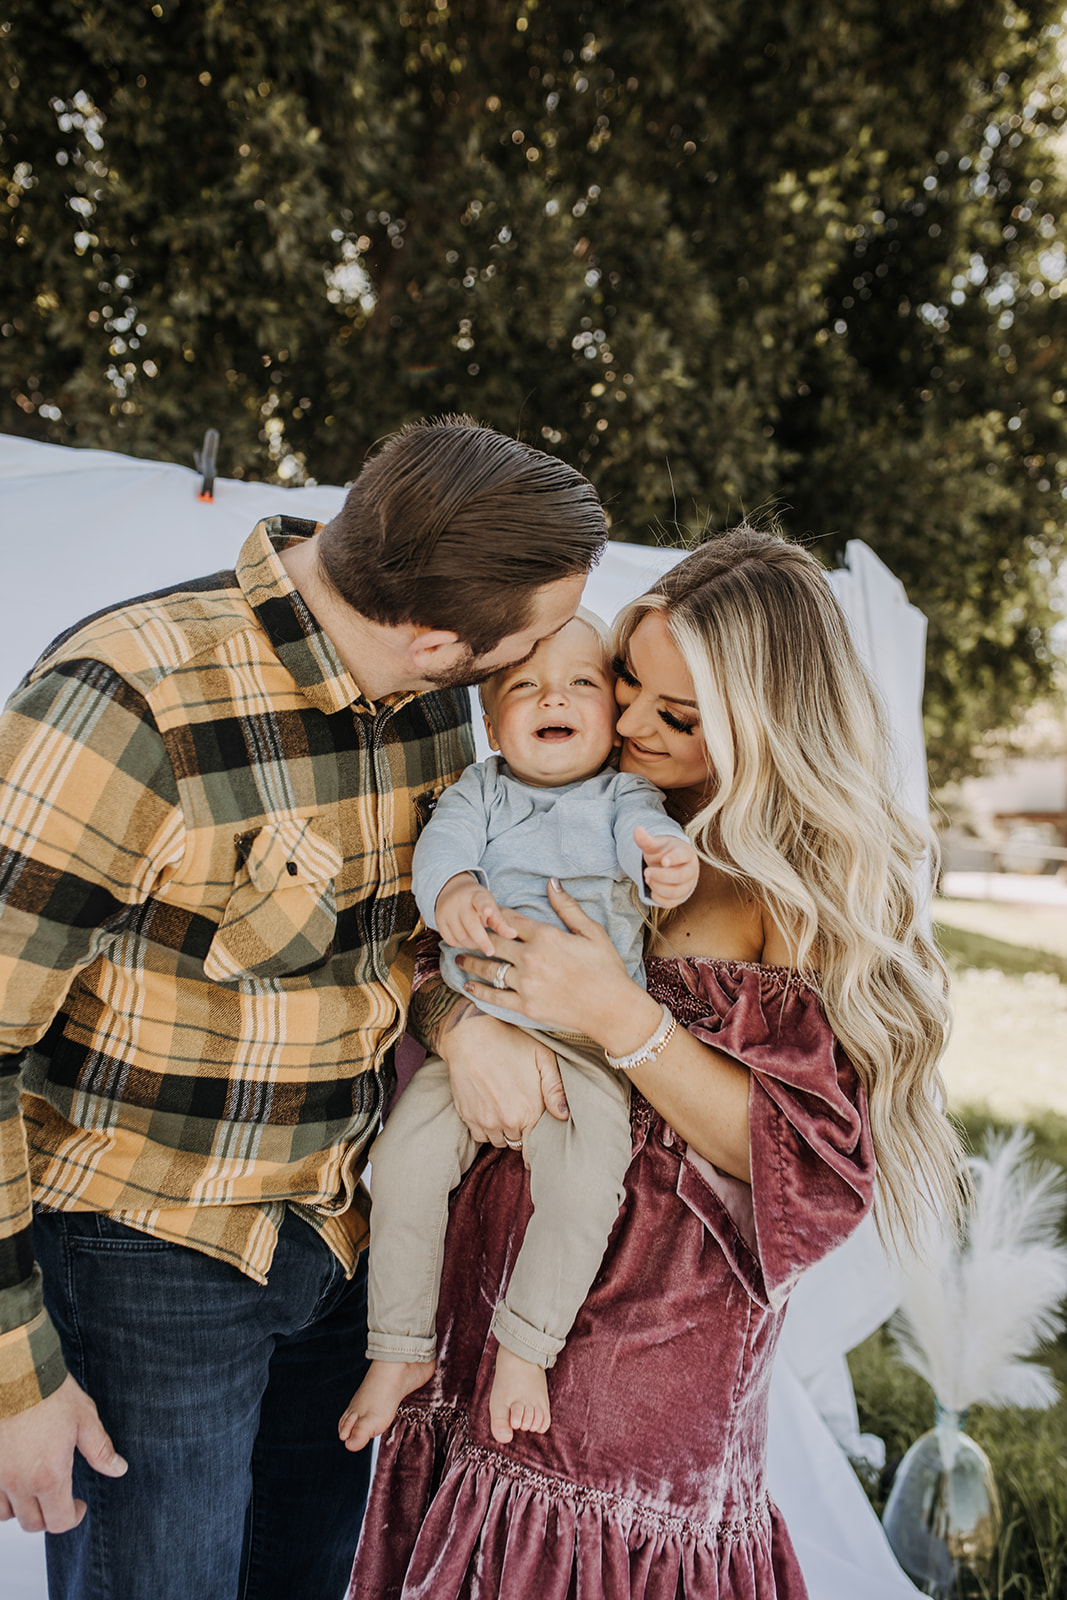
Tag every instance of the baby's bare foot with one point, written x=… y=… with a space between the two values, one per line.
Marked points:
x=374 y=1404
x=518 y=1399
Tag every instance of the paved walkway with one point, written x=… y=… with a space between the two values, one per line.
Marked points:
x=1006 y=1052
x=1016 y=888
x=22 y=1563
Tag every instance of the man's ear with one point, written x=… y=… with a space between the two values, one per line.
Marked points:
x=431 y=648
x=494 y=743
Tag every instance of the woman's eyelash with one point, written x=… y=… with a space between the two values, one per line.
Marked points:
x=621 y=670
x=676 y=723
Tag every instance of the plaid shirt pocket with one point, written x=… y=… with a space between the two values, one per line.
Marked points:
x=281 y=917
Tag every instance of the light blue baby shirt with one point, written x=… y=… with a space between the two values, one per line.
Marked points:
x=514 y=836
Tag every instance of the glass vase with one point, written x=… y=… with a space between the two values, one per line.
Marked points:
x=942 y=1518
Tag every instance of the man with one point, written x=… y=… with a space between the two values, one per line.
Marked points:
x=209 y=800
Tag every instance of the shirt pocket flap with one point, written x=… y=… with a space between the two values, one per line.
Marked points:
x=294 y=851
x=281 y=917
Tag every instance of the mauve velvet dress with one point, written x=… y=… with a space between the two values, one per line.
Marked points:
x=650 y=1482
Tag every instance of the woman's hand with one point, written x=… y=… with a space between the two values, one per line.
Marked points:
x=569 y=977
x=573 y=977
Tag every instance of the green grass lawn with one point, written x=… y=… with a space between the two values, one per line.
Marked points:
x=1007 y=1063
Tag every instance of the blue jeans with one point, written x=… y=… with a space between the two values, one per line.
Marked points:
x=224 y=1396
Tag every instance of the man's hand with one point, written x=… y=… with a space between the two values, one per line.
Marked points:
x=465 y=910
x=37 y=1454
x=672 y=867
x=502 y=1080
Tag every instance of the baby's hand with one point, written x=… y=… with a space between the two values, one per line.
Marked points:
x=672 y=867
x=464 y=911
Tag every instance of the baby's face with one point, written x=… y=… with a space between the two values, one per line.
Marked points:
x=553 y=717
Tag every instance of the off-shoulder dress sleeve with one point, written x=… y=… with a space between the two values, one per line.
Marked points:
x=812 y=1158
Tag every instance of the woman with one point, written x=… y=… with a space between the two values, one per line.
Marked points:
x=802 y=1077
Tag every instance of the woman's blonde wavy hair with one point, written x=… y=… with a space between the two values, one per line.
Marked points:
x=802 y=812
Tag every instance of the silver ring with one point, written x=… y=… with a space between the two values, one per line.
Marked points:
x=513 y=1144
x=501 y=979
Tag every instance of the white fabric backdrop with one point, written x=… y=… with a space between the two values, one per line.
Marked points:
x=84 y=528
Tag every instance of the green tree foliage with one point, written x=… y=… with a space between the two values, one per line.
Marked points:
x=718 y=253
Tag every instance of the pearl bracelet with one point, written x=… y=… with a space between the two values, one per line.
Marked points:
x=651 y=1047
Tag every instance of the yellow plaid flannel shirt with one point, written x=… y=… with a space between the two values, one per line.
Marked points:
x=206 y=927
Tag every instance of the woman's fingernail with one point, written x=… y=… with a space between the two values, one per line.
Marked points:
x=554 y=883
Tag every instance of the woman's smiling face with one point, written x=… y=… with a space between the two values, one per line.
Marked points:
x=658 y=721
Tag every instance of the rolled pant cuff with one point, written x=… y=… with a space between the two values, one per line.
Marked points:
x=523 y=1339
x=395 y=1347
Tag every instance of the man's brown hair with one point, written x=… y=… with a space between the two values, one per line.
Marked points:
x=452 y=525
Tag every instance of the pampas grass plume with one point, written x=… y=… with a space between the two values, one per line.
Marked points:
x=970 y=1315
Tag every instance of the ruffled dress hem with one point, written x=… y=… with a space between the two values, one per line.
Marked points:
x=529 y=1532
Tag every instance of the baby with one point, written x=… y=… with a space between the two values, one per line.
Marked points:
x=548 y=806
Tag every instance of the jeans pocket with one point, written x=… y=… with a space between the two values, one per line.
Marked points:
x=94 y=1231
x=281 y=916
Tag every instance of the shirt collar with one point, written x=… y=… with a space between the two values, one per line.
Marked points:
x=300 y=644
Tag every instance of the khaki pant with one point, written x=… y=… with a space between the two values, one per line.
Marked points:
x=577 y=1170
